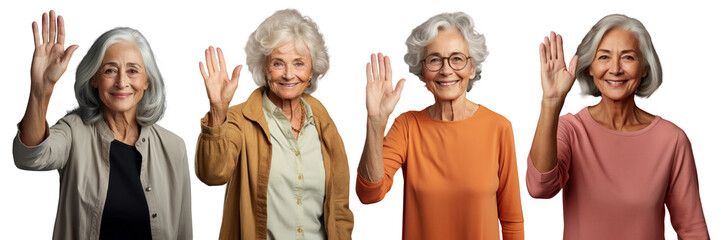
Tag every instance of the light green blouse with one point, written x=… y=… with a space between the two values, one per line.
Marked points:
x=296 y=186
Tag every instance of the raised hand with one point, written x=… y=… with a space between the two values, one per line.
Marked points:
x=555 y=78
x=50 y=59
x=220 y=89
x=381 y=98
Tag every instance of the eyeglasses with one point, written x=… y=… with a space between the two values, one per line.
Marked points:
x=456 y=61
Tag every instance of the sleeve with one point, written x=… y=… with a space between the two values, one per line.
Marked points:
x=508 y=194
x=218 y=148
x=50 y=154
x=682 y=198
x=548 y=184
x=186 y=218
x=395 y=146
x=341 y=182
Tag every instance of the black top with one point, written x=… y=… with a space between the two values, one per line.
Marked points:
x=125 y=215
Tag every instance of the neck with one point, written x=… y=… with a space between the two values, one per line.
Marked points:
x=291 y=108
x=123 y=125
x=453 y=110
x=620 y=115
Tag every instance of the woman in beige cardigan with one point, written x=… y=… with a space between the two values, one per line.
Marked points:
x=279 y=152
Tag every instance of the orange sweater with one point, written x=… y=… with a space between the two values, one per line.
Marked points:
x=460 y=176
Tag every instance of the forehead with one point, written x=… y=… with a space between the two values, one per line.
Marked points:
x=291 y=50
x=448 y=41
x=123 y=52
x=618 y=39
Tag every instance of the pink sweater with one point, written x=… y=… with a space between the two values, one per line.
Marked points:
x=616 y=183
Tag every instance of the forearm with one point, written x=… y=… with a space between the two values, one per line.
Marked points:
x=33 y=128
x=543 y=148
x=371 y=162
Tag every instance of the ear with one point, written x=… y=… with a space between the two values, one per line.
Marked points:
x=94 y=82
x=645 y=73
x=147 y=84
x=473 y=72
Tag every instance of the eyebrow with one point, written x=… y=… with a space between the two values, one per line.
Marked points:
x=622 y=51
x=114 y=64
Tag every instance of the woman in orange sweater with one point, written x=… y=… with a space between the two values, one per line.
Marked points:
x=458 y=157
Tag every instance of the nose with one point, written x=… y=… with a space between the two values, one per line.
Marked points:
x=615 y=67
x=122 y=80
x=287 y=73
x=446 y=67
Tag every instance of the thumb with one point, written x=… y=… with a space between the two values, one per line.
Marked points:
x=399 y=87
x=236 y=73
x=572 y=65
x=68 y=54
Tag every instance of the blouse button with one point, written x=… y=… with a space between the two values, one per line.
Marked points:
x=297 y=153
x=300 y=230
x=143 y=139
x=148 y=189
x=155 y=215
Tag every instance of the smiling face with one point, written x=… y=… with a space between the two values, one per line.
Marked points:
x=289 y=70
x=448 y=84
x=617 y=68
x=121 y=79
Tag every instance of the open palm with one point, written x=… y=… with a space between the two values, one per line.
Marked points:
x=381 y=98
x=50 y=59
x=219 y=87
x=555 y=78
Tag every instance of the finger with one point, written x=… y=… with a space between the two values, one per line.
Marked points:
x=61 y=30
x=36 y=35
x=236 y=73
x=53 y=26
x=546 y=47
x=68 y=54
x=572 y=65
x=553 y=46
x=221 y=60
x=374 y=67
x=213 y=59
x=382 y=67
x=542 y=53
x=202 y=71
x=369 y=74
x=208 y=61
x=45 y=27
x=389 y=72
x=399 y=87
x=559 y=48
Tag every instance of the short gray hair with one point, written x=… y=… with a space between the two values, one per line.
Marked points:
x=586 y=52
x=281 y=27
x=424 y=34
x=150 y=109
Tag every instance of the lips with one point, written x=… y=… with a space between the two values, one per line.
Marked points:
x=121 y=95
x=288 y=85
x=447 y=83
x=616 y=83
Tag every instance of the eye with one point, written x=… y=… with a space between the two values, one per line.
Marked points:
x=603 y=57
x=277 y=64
x=110 y=70
x=134 y=71
x=433 y=59
x=299 y=64
x=629 y=57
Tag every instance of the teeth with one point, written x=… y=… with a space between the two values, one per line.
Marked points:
x=447 y=83
x=616 y=83
x=289 y=85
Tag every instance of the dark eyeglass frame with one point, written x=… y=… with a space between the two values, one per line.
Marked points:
x=444 y=60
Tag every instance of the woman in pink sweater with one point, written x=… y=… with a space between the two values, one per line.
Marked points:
x=618 y=165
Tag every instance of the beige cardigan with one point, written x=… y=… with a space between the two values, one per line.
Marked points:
x=81 y=155
x=238 y=153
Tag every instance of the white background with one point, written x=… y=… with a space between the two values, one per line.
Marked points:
x=685 y=35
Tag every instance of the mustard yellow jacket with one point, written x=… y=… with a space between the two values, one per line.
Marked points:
x=238 y=153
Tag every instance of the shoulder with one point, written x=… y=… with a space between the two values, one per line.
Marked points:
x=669 y=129
x=165 y=137
x=493 y=117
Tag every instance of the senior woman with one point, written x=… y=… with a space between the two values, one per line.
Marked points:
x=121 y=175
x=457 y=156
x=618 y=165
x=279 y=152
